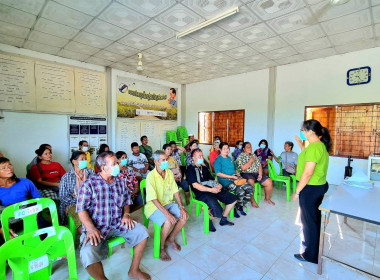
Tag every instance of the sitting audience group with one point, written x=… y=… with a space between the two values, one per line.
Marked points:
x=100 y=201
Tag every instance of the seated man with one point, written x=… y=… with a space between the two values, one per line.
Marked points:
x=206 y=189
x=147 y=151
x=138 y=162
x=160 y=207
x=289 y=159
x=103 y=208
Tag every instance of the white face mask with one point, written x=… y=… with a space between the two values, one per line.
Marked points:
x=85 y=149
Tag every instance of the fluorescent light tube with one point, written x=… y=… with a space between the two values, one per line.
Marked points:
x=208 y=22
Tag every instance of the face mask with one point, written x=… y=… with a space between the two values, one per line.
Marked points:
x=217 y=141
x=262 y=146
x=164 y=165
x=115 y=170
x=85 y=149
x=123 y=162
x=82 y=164
x=302 y=135
x=197 y=146
x=240 y=147
x=200 y=161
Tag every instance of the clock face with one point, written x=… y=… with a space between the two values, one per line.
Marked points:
x=358 y=76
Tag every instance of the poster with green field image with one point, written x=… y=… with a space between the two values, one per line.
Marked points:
x=145 y=100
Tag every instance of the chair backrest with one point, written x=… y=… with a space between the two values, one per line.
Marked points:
x=142 y=189
x=34 y=261
x=28 y=214
x=271 y=169
x=192 y=195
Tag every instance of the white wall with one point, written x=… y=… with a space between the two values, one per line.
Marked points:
x=247 y=91
x=322 y=82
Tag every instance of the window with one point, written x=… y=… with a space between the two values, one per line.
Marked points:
x=354 y=128
x=229 y=125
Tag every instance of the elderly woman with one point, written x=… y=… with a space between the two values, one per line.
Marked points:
x=13 y=190
x=227 y=174
x=250 y=168
x=127 y=173
x=192 y=146
x=214 y=154
x=69 y=187
x=264 y=153
x=174 y=167
x=47 y=174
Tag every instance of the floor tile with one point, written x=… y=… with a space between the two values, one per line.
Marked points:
x=182 y=270
x=207 y=258
x=232 y=269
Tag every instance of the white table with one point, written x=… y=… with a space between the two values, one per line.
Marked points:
x=356 y=203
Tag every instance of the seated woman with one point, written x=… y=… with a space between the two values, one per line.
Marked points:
x=227 y=174
x=173 y=166
x=238 y=149
x=176 y=153
x=250 y=168
x=47 y=174
x=214 y=154
x=264 y=153
x=102 y=148
x=289 y=159
x=127 y=173
x=69 y=187
x=34 y=160
x=13 y=190
x=192 y=146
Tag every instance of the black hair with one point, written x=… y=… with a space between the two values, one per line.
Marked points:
x=102 y=148
x=134 y=144
x=238 y=141
x=142 y=137
x=165 y=146
x=194 y=151
x=245 y=144
x=40 y=151
x=81 y=142
x=173 y=91
x=14 y=177
x=217 y=137
x=320 y=131
x=75 y=155
x=290 y=143
x=101 y=159
x=223 y=144
x=265 y=141
x=119 y=154
x=193 y=142
x=172 y=142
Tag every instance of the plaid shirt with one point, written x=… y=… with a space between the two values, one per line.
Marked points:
x=66 y=190
x=104 y=202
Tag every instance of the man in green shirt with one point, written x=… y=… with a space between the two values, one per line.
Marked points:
x=161 y=188
x=147 y=151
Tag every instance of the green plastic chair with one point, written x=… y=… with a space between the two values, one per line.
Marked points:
x=33 y=262
x=198 y=205
x=279 y=178
x=71 y=226
x=157 y=228
x=209 y=167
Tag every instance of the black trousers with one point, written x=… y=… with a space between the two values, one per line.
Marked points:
x=310 y=199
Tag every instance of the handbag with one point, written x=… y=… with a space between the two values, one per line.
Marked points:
x=240 y=182
x=290 y=168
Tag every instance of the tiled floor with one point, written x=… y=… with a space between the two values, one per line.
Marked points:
x=259 y=246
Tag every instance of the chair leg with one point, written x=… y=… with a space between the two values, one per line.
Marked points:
x=294 y=181
x=132 y=253
x=190 y=208
x=206 y=219
x=146 y=220
x=256 y=193
x=288 y=189
x=184 y=236
x=232 y=213
x=197 y=209
x=261 y=196
x=156 y=241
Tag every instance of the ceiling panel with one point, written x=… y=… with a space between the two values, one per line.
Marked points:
x=269 y=44
x=32 y=7
x=149 y=8
x=208 y=34
x=352 y=36
x=182 y=44
x=254 y=59
x=73 y=55
x=325 y=11
x=201 y=51
x=280 y=53
x=376 y=14
x=293 y=21
x=346 y=23
x=10 y=40
x=34 y=46
x=226 y=43
x=110 y=56
x=65 y=15
x=47 y=39
x=121 y=49
x=136 y=41
x=255 y=33
x=14 y=16
x=147 y=57
x=289 y=59
x=81 y=48
x=54 y=28
x=241 y=20
x=210 y=8
x=319 y=53
x=90 y=7
x=99 y=61
x=13 y=30
x=304 y=34
x=356 y=46
x=92 y=40
x=317 y=44
x=155 y=31
x=106 y=30
x=241 y=52
x=182 y=57
x=218 y=58
x=268 y=9
x=377 y=30
x=133 y=60
x=123 y=17
x=161 y=50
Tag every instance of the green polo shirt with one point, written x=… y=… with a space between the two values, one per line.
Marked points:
x=315 y=152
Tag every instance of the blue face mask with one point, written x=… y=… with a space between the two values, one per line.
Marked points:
x=197 y=146
x=200 y=161
x=123 y=162
x=302 y=135
x=240 y=147
x=82 y=164
x=164 y=165
x=115 y=170
x=263 y=146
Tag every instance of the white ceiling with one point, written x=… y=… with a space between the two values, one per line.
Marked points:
x=263 y=34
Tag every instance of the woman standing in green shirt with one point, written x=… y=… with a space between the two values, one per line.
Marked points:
x=311 y=173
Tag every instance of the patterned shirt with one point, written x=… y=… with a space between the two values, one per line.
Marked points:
x=67 y=188
x=137 y=161
x=177 y=155
x=129 y=176
x=104 y=202
x=243 y=158
x=189 y=159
